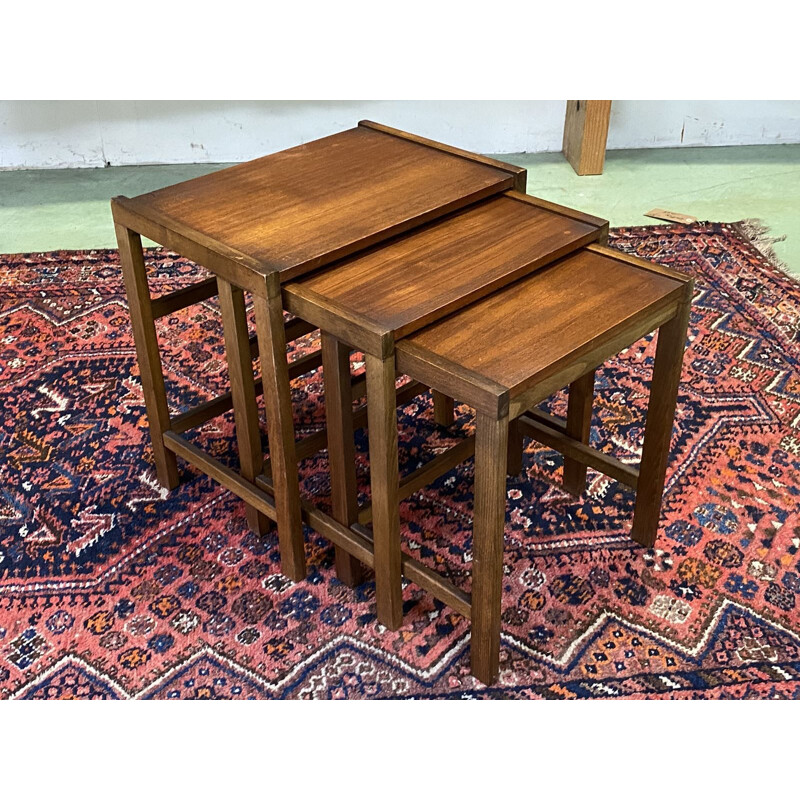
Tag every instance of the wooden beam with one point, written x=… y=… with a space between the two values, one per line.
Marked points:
x=317 y=441
x=182 y=298
x=428 y=580
x=578 y=451
x=295 y=328
x=585 y=135
x=428 y=473
x=219 y=472
x=357 y=540
x=219 y=405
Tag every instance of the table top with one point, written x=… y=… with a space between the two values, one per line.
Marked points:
x=528 y=331
x=302 y=208
x=396 y=288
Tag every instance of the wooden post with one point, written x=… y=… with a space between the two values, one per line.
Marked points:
x=243 y=392
x=579 y=423
x=585 y=135
x=280 y=427
x=341 y=449
x=516 y=446
x=491 y=444
x=382 y=423
x=144 y=335
x=443 y=409
x=660 y=420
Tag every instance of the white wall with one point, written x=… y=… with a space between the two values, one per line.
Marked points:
x=702 y=123
x=38 y=134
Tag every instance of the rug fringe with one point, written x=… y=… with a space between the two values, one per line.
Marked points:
x=757 y=232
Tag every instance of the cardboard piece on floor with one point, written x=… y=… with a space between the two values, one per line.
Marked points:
x=671 y=216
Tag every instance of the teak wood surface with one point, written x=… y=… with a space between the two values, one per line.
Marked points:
x=388 y=292
x=302 y=208
x=517 y=337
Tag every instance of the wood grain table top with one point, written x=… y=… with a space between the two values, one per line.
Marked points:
x=305 y=207
x=514 y=338
x=396 y=288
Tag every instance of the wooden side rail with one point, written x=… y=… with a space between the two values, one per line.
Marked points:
x=197 y=292
x=317 y=441
x=556 y=423
x=427 y=473
x=357 y=540
x=219 y=472
x=427 y=579
x=181 y=298
x=219 y=405
x=533 y=426
x=295 y=328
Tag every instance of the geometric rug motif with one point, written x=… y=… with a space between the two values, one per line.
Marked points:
x=112 y=587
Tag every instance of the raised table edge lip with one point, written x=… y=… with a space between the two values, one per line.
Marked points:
x=370 y=336
x=138 y=215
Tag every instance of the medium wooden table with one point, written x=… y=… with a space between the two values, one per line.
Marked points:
x=370 y=301
x=256 y=226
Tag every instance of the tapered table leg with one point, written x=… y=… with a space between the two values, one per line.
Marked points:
x=280 y=427
x=341 y=449
x=243 y=393
x=579 y=424
x=443 y=409
x=658 y=428
x=382 y=423
x=491 y=444
x=144 y=334
x=516 y=446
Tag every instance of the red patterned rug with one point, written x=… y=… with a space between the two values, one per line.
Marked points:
x=112 y=588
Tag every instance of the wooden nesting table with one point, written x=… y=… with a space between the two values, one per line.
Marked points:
x=522 y=312
x=256 y=226
x=506 y=353
x=370 y=301
x=411 y=252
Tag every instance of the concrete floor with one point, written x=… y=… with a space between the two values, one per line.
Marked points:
x=68 y=209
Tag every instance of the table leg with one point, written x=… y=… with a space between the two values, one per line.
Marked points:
x=658 y=428
x=579 y=423
x=280 y=427
x=516 y=445
x=341 y=448
x=382 y=423
x=491 y=444
x=144 y=333
x=443 y=409
x=243 y=393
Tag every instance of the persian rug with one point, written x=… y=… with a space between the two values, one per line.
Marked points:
x=111 y=587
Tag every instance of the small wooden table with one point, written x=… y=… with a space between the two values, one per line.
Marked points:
x=256 y=226
x=505 y=354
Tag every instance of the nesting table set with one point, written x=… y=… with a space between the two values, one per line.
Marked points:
x=435 y=264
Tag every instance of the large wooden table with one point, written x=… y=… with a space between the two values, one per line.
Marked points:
x=256 y=226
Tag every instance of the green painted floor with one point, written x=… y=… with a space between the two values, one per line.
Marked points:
x=68 y=209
